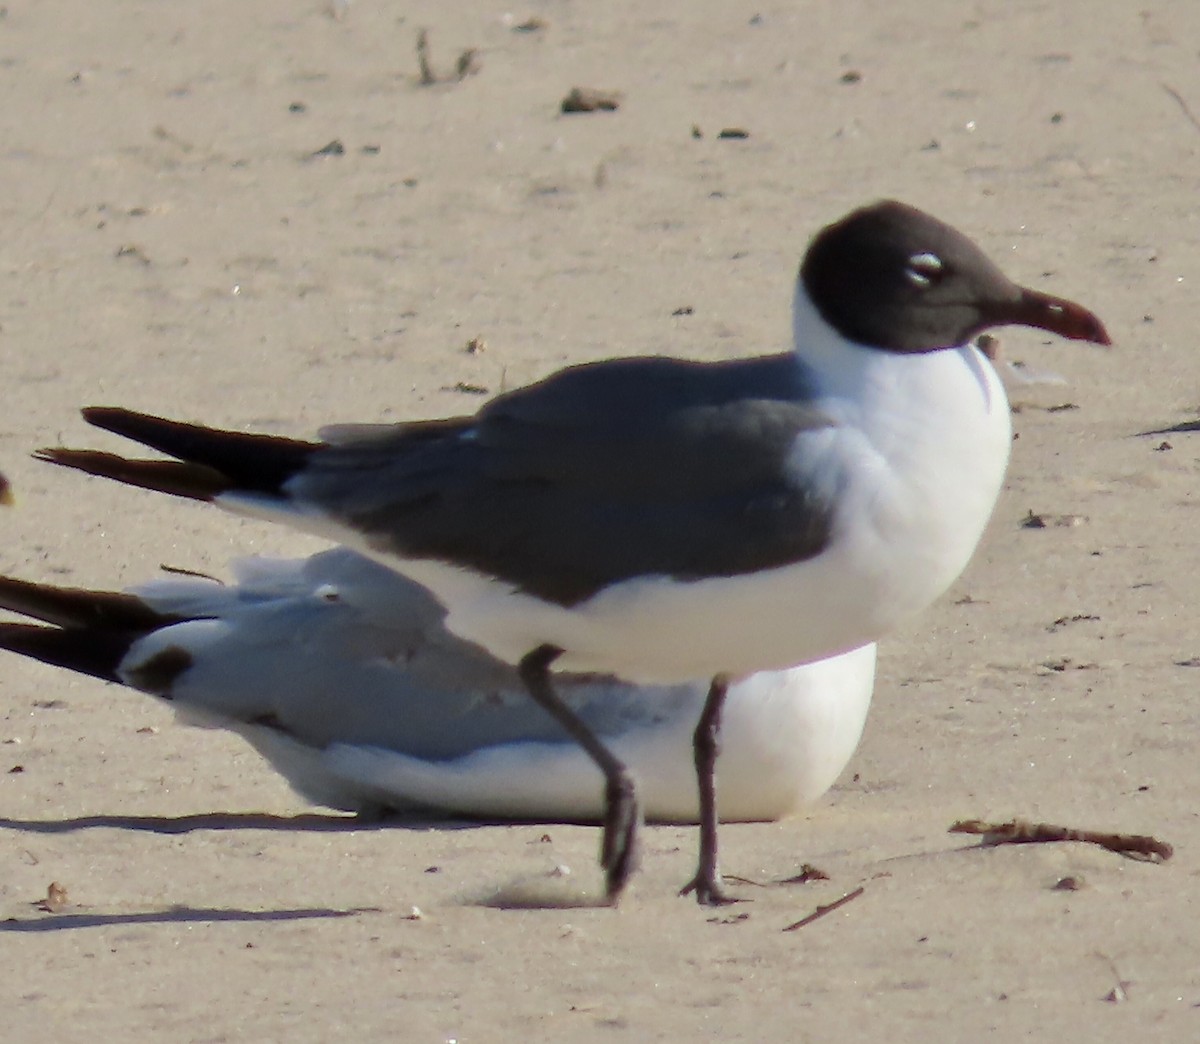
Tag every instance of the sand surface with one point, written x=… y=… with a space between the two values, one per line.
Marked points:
x=171 y=243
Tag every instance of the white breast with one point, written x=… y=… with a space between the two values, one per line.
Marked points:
x=918 y=456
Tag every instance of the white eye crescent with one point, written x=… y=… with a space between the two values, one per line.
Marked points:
x=328 y=593
x=924 y=269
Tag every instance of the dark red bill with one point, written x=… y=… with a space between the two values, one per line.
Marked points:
x=1059 y=316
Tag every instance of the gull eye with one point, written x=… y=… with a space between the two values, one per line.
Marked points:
x=924 y=269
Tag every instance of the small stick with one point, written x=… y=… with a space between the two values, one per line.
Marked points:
x=735 y=879
x=828 y=908
x=1191 y=117
x=1020 y=832
x=467 y=64
x=181 y=571
x=427 y=77
x=808 y=872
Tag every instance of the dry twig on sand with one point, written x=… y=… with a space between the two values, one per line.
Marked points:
x=468 y=63
x=1020 y=832
x=828 y=908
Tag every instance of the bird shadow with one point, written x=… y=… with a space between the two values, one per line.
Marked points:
x=216 y=821
x=175 y=915
x=520 y=895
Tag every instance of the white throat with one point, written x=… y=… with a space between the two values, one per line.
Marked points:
x=930 y=434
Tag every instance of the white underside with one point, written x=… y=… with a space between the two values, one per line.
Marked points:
x=785 y=739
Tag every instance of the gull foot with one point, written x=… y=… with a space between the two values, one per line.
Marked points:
x=620 y=850
x=709 y=890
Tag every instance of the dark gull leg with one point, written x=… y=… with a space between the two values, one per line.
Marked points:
x=706 y=746
x=622 y=814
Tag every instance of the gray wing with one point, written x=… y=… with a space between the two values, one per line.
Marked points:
x=601 y=473
x=337 y=649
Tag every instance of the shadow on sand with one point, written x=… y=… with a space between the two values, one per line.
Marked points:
x=174 y=915
x=304 y=823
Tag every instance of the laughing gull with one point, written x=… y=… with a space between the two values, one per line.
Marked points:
x=664 y=520
x=341 y=674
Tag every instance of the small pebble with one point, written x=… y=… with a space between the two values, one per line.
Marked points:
x=583 y=99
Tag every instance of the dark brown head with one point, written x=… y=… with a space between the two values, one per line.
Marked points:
x=890 y=276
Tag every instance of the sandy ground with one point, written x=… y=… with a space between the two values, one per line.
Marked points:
x=171 y=243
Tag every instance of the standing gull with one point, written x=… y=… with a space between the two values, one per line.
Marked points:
x=664 y=520
x=340 y=672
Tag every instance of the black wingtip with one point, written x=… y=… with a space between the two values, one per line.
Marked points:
x=180 y=479
x=79 y=607
x=246 y=462
x=130 y=423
